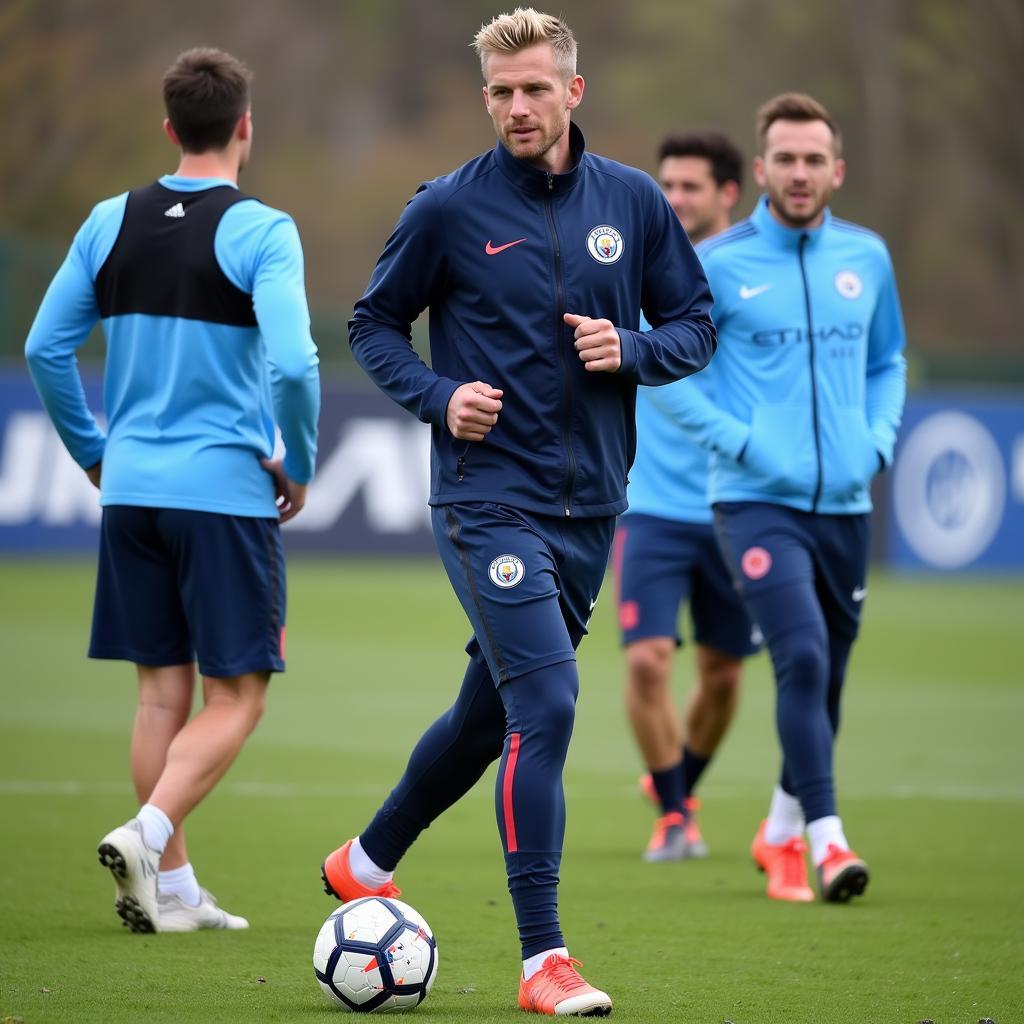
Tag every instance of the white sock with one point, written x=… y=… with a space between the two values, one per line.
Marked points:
x=181 y=882
x=156 y=827
x=823 y=833
x=364 y=869
x=785 y=818
x=532 y=964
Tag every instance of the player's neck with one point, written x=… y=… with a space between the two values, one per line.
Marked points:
x=717 y=228
x=212 y=164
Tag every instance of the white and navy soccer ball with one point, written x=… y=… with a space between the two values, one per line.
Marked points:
x=375 y=955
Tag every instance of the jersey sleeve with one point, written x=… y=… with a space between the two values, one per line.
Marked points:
x=259 y=249
x=675 y=300
x=886 y=388
x=65 y=318
x=408 y=276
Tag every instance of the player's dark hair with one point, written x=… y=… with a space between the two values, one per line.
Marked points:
x=206 y=91
x=795 y=106
x=719 y=150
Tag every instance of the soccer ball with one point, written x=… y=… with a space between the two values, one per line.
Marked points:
x=374 y=955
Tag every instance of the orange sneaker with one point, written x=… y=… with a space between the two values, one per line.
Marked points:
x=695 y=846
x=784 y=864
x=340 y=883
x=558 y=989
x=668 y=840
x=841 y=874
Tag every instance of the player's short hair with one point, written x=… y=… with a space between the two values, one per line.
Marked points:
x=509 y=33
x=795 y=106
x=206 y=91
x=718 y=149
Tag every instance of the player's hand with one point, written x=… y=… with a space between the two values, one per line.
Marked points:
x=94 y=473
x=289 y=496
x=597 y=343
x=472 y=411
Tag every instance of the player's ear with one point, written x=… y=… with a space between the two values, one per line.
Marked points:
x=243 y=130
x=730 y=193
x=171 y=133
x=576 y=87
x=839 y=175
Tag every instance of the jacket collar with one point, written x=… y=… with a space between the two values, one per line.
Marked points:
x=533 y=179
x=781 y=236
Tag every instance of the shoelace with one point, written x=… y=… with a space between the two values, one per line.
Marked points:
x=791 y=857
x=561 y=971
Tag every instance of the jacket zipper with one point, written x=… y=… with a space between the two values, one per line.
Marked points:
x=559 y=332
x=814 y=380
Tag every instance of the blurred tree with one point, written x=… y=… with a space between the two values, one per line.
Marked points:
x=356 y=101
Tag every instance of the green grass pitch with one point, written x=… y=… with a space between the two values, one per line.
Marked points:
x=930 y=782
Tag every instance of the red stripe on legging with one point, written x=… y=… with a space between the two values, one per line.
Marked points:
x=506 y=793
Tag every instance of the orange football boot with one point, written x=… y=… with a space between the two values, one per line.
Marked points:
x=841 y=874
x=340 y=883
x=784 y=864
x=558 y=989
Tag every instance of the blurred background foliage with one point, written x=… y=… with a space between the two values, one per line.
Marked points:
x=356 y=101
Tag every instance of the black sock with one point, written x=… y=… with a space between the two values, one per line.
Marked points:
x=693 y=769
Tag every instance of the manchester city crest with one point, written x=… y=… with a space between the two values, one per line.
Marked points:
x=849 y=284
x=604 y=243
x=506 y=571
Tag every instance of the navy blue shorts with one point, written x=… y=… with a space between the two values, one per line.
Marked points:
x=661 y=563
x=176 y=586
x=821 y=560
x=527 y=582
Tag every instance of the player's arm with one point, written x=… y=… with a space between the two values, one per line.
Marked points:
x=886 y=388
x=409 y=274
x=259 y=250
x=65 y=318
x=675 y=299
x=695 y=412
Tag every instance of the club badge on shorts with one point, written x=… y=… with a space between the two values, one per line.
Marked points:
x=604 y=243
x=756 y=562
x=849 y=284
x=506 y=571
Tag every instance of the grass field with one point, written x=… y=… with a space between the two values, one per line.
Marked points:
x=930 y=782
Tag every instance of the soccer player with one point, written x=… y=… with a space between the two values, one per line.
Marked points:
x=665 y=551
x=535 y=261
x=808 y=393
x=200 y=292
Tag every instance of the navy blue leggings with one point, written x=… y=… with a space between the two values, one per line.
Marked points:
x=527 y=722
x=801 y=577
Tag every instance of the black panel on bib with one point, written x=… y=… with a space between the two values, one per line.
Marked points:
x=163 y=262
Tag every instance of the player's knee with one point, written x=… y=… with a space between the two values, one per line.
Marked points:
x=803 y=664
x=650 y=665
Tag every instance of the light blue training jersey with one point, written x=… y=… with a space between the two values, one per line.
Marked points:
x=669 y=476
x=190 y=405
x=809 y=378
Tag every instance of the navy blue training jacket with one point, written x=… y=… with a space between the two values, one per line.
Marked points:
x=498 y=250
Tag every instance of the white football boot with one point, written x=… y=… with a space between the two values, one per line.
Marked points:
x=135 y=869
x=177 y=916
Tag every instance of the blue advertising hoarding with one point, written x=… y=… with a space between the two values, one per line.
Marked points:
x=953 y=501
x=957 y=488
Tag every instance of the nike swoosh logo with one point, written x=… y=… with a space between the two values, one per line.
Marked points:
x=859 y=593
x=593 y=604
x=749 y=293
x=493 y=250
